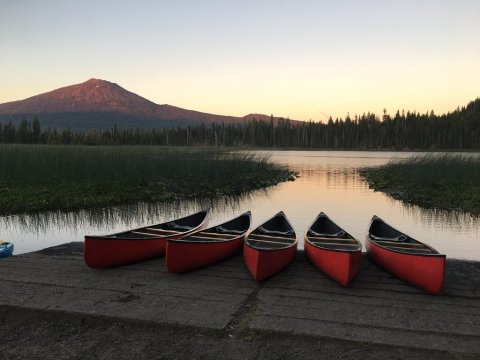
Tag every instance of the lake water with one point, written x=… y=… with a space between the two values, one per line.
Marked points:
x=329 y=182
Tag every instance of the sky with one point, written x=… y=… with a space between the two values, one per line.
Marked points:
x=302 y=59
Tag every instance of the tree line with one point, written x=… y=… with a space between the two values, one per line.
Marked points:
x=459 y=129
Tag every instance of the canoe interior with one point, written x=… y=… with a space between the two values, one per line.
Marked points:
x=170 y=228
x=323 y=224
x=276 y=233
x=384 y=235
x=6 y=249
x=325 y=234
x=229 y=230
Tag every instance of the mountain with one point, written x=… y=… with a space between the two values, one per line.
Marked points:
x=100 y=104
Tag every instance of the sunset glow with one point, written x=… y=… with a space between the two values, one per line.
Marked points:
x=303 y=60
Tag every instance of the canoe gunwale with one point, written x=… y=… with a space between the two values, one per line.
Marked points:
x=184 y=239
x=349 y=237
x=435 y=252
x=357 y=249
x=154 y=237
x=406 y=252
x=200 y=241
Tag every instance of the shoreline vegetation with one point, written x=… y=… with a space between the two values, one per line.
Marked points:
x=51 y=177
x=445 y=181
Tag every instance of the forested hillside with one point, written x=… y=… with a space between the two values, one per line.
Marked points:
x=459 y=129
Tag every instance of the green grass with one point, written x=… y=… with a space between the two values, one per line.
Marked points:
x=446 y=181
x=41 y=177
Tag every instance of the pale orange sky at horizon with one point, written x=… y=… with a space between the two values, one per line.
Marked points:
x=302 y=60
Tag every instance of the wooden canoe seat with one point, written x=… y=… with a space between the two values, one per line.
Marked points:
x=270 y=241
x=217 y=234
x=164 y=230
x=205 y=238
x=277 y=239
x=337 y=246
x=398 y=243
x=272 y=237
x=407 y=249
x=333 y=243
x=145 y=233
x=329 y=239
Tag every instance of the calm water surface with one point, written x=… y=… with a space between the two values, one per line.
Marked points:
x=328 y=182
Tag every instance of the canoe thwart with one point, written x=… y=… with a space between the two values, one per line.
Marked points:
x=331 y=239
x=425 y=249
x=272 y=237
x=333 y=243
x=398 y=243
x=217 y=234
x=145 y=233
x=205 y=237
x=164 y=230
x=269 y=241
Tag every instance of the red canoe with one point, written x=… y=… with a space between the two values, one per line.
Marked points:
x=405 y=257
x=270 y=247
x=332 y=250
x=207 y=246
x=138 y=244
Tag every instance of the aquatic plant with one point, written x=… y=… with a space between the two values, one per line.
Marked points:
x=41 y=177
x=443 y=180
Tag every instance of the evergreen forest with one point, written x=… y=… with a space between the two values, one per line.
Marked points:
x=456 y=130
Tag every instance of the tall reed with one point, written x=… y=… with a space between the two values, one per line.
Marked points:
x=448 y=181
x=435 y=168
x=37 y=164
x=42 y=177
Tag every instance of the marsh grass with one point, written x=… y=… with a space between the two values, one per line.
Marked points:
x=446 y=181
x=42 y=177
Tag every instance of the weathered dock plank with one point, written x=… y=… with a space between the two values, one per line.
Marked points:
x=46 y=280
x=376 y=309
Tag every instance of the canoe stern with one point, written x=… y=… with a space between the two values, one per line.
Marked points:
x=341 y=266
x=263 y=264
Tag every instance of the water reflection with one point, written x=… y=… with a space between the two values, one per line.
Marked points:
x=444 y=219
x=36 y=231
x=329 y=182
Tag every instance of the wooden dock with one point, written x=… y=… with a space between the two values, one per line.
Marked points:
x=377 y=309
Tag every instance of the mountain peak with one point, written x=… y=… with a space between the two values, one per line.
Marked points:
x=93 y=95
x=94 y=81
x=103 y=99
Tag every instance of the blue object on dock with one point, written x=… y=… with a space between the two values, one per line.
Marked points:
x=6 y=249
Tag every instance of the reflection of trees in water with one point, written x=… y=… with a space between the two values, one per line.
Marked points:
x=333 y=176
x=451 y=220
x=127 y=215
